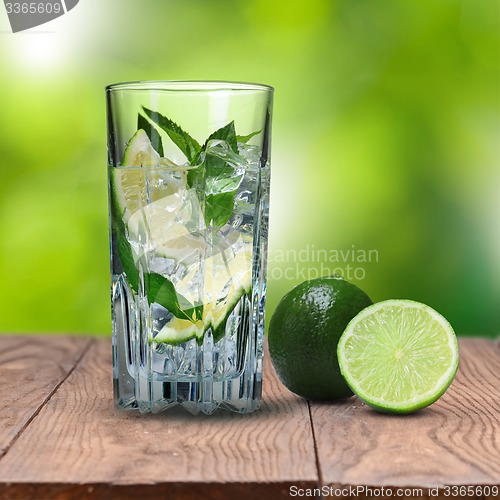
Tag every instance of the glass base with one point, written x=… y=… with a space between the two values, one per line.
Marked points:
x=239 y=395
x=198 y=376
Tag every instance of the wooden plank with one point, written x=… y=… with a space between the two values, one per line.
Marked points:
x=31 y=368
x=81 y=446
x=456 y=441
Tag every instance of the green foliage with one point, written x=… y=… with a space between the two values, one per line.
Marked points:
x=154 y=136
x=245 y=138
x=181 y=139
x=162 y=291
x=226 y=133
x=217 y=177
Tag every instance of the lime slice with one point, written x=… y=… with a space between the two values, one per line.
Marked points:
x=140 y=152
x=136 y=186
x=178 y=331
x=129 y=185
x=398 y=355
x=227 y=277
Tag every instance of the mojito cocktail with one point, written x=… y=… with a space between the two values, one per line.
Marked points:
x=188 y=179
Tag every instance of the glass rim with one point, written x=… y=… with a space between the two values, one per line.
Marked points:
x=189 y=86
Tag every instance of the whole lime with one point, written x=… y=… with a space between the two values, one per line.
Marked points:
x=304 y=333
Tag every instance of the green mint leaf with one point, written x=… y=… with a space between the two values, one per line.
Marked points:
x=219 y=175
x=219 y=208
x=187 y=144
x=223 y=170
x=152 y=133
x=162 y=291
x=226 y=133
x=122 y=245
x=245 y=138
x=196 y=313
x=221 y=183
x=126 y=256
x=158 y=288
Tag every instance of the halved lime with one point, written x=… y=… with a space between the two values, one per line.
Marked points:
x=398 y=355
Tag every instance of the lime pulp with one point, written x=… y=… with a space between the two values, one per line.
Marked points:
x=398 y=355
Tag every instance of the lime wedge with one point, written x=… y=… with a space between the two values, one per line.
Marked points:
x=227 y=277
x=134 y=187
x=178 y=331
x=398 y=355
x=140 y=152
x=129 y=185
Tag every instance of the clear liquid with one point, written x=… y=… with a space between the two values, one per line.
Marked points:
x=222 y=368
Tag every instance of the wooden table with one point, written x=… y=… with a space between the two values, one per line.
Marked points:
x=61 y=437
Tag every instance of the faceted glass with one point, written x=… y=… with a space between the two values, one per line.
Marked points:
x=188 y=177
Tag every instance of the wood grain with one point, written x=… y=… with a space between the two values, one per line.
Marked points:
x=31 y=368
x=456 y=441
x=63 y=439
x=81 y=446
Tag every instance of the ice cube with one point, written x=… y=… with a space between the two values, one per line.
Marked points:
x=250 y=153
x=225 y=176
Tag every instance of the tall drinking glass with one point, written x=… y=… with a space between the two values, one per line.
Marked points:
x=188 y=175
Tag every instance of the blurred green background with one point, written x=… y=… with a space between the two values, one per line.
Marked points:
x=385 y=138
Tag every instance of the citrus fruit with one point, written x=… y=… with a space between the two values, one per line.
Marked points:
x=398 y=355
x=140 y=152
x=227 y=277
x=304 y=332
x=131 y=187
